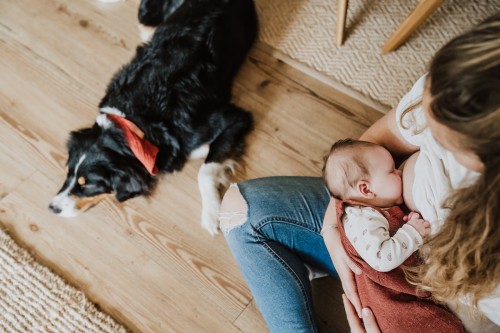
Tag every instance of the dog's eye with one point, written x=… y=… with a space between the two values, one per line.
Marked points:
x=83 y=182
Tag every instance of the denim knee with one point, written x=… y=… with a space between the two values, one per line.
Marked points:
x=233 y=211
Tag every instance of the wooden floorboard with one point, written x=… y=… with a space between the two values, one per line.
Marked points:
x=147 y=262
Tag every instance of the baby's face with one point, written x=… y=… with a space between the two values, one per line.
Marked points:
x=385 y=180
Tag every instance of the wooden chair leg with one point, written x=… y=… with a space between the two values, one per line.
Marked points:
x=341 y=18
x=423 y=10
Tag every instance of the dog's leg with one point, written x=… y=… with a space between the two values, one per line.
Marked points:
x=210 y=177
x=227 y=146
x=152 y=13
x=150 y=16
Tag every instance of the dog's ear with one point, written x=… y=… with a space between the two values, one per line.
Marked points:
x=82 y=139
x=128 y=186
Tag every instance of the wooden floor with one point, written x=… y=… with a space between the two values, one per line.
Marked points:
x=147 y=262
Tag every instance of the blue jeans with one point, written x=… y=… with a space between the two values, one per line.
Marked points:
x=281 y=232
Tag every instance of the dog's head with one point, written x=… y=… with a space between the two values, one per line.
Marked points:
x=100 y=163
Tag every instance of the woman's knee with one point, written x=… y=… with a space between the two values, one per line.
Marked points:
x=233 y=210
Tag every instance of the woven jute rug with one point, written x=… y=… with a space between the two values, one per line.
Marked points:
x=34 y=299
x=305 y=31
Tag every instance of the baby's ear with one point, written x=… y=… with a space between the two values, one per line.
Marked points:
x=364 y=189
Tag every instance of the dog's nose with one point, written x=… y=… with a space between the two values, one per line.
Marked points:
x=54 y=209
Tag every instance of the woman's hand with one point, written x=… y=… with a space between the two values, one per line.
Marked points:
x=367 y=325
x=344 y=266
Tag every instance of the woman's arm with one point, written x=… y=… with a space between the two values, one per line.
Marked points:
x=343 y=264
x=385 y=132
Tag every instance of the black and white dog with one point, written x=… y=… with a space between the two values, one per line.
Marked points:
x=169 y=104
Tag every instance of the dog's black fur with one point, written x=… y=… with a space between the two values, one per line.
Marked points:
x=153 y=12
x=177 y=90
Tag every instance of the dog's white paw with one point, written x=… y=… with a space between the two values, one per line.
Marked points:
x=210 y=220
x=210 y=177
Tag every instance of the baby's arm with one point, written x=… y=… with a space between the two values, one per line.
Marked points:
x=368 y=232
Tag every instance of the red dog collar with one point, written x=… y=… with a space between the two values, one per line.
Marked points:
x=144 y=150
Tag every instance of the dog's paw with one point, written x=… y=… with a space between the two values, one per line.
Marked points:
x=210 y=178
x=210 y=221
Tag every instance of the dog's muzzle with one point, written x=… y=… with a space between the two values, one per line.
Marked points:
x=63 y=206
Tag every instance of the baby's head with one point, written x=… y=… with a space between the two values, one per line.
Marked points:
x=364 y=172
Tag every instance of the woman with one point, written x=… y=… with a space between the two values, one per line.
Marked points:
x=452 y=117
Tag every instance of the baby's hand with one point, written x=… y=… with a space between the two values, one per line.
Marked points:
x=423 y=227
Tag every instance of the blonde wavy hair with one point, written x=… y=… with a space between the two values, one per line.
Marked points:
x=464 y=256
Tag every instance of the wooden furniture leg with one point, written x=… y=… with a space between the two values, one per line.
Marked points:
x=341 y=18
x=423 y=10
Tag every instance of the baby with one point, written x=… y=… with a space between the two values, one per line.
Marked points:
x=379 y=237
x=363 y=175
